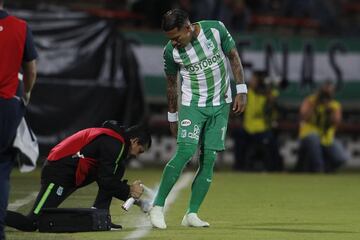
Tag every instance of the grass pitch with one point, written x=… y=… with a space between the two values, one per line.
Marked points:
x=238 y=206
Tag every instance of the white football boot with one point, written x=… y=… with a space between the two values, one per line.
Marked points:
x=157 y=217
x=192 y=220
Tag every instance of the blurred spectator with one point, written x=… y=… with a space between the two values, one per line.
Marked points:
x=266 y=7
x=241 y=17
x=203 y=9
x=310 y=9
x=320 y=114
x=233 y=13
x=298 y=8
x=257 y=136
x=116 y=5
x=152 y=10
x=224 y=12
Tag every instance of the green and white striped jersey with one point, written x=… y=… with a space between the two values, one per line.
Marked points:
x=202 y=66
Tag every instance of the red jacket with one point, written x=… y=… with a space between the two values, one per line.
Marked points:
x=12 y=43
x=73 y=145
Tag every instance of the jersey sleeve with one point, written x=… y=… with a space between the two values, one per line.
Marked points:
x=227 y=41
x=170 y=67
x=112 y=167
x=29 y=50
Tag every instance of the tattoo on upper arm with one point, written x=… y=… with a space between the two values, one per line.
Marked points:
x=172 y=92
x=236 y=66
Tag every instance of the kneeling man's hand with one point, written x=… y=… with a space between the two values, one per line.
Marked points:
x=136 y=189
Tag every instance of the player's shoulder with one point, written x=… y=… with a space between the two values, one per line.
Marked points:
x=211 y=24
x=168 y=47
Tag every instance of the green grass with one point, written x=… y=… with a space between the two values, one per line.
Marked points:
x=238 y=206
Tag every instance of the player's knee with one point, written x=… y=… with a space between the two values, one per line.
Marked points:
x=183 y=154
x=185 y=151
x=209 y=161
x=209 y=156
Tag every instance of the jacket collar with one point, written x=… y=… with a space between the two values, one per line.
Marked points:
x=3 y=14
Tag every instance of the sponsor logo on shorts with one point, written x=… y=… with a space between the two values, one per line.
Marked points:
x=185 y=123
x=59 y=191
x=183 y=133
x=195 y=134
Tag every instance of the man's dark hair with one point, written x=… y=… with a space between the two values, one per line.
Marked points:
x=141 y=133
x=136 y=131
x=175 y=18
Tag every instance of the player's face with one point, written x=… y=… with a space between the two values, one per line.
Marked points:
x=136 y=148
x=180 y=37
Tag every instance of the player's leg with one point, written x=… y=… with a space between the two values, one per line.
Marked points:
x=213 y=140
x=199 y=188
x=203 y=179
x=170 y=175
x=173 y=170
x=190 y=123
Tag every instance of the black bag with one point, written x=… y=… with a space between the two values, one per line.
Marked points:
x=74 y=220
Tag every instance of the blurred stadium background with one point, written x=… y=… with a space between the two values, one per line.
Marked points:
x=102 y=59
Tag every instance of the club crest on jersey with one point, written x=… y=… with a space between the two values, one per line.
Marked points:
x=59 y=191
x=210 y=45
x=185 y=122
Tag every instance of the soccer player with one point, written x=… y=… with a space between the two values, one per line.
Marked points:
x=197 y=52
x=92 y=154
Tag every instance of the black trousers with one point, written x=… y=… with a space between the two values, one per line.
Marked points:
x=11 y=112
x=51 y=195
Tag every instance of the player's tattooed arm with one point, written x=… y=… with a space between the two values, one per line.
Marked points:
x=236 y=66
x=172 y=92
x=238 y=72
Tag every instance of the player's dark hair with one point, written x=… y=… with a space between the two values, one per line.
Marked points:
x=141 y=133
x=175 y=18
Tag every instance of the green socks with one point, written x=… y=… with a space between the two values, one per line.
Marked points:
x=173 y=170
x=202 y=181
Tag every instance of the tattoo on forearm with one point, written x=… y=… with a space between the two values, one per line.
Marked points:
x=236 y=66
x=172 y=92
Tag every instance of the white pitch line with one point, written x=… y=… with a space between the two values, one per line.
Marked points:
x=143 y=223
x=21 y=202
